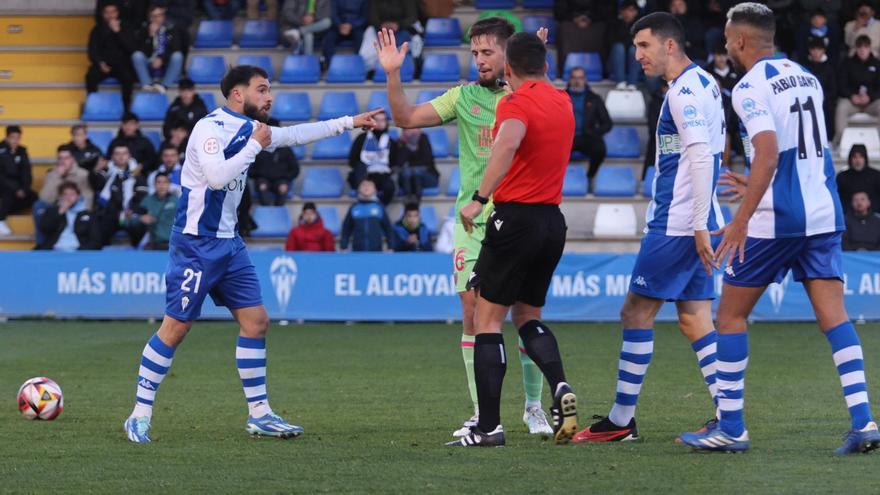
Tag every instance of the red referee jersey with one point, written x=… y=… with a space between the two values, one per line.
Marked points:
x=538 y=168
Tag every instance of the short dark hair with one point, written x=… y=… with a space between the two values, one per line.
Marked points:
x=663 y=25
x=863 y=40
x=156 y=5
x=628 y=4
x=129 y=116
x=13 y=129
x=526 y=54
x=499 y=27
x=160 y=174
x=186 y=83
x=240 y=74
x=178 y=124
x=816 y=43
x=67 y=185
x=818 y=12
x=308 y=205
x=78 y=127
x=754 y=14
x=64 y=147
x=411 y=207
x=168 y=146
x=117 y=145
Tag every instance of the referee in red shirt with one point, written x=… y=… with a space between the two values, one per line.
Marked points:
x=525 y=236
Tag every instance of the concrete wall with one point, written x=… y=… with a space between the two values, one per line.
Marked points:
x=54 y=7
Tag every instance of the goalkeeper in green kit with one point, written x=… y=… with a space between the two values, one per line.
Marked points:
x=473 y=105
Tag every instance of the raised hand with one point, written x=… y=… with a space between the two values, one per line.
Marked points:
x=543 y=33
x=390 y=57
x=365 y=120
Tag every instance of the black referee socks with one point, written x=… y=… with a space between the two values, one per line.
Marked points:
x=490 y=365
x=541 y=346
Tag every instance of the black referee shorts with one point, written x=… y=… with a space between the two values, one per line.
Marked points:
x=522 y=247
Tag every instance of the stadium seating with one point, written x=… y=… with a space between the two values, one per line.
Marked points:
x=262 y=61
x=454 y=183
x=206 y=69
x=648 y=183
x=454 y=148
x=623 y=142
x=322 y=182
x=294 y=106
x=300 y=69
x=101 y=138
x=625 y=105
x=537 y=4
x=149 y=106
x=440 y=67
x=259 y=33
x=495 y=4
x=346 y=68
x=335 y=104
x=590 y=61
x=860 y=135
x=431 y=192
x=531 y=24
x=208 y=98
x=154 y=136
x=575 y=181
x=379 y=99
x=444 y=31
x=407 y=71
x=272 y=221
x=439 y=141
x=103 y=107
x=429 y=218
x=615 y=220
x=615 y=182
x=333 y=148
x=427 y=95
x=214 y=34
x=330 y=218
x=299 y=151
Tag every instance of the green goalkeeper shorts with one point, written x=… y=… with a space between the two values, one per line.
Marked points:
x=465 y=253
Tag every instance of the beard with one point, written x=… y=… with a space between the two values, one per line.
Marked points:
x=737 y=65
x=492 y=82
x=256 y=113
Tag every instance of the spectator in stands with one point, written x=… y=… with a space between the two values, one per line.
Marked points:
x=119 y=188
x=178 y=136
x=68 y=225
x=714 y=17
x=414 y=161
x=310 y=233
x=221 y=9
x=435 y=8
x=864 y=24
x=591 y=120
x=858 y=86
x=188 y=107
x=182 y=13
x=158 y=51
x=171 y=166
x=858 y=176
x=654 y=107
x=694 y=31
x=565 y=10
x=722 y=69
x=140 y=147
x=623 y=68
x=155 y=214
x=371 y=156
x=578 y=31
x=399 y=16
x=349 y=21
x=84 y=150
x=821 y=66
x=110 y=47
x=131 y=12
x=66 y=170
x=366 y=222
x=410 y=234
x=301 y=20
x=253 y=9
x=15 y=177
x=862 y=225
x=818 y=31
x=273 y=172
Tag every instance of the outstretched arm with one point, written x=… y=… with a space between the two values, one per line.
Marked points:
x=295 y=135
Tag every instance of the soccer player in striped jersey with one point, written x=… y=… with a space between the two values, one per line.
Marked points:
x=473 y=107
x=790 y=219
x=207 y=256
x=676 y=259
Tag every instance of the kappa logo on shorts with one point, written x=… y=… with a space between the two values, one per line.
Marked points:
x=640 y=281
x=283 y=272
x=498 y=224
x=729 y=271
x=184 y=302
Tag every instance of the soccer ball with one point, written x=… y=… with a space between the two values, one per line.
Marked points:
x=40 y=398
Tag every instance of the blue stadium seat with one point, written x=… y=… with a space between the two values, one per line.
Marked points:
x=322 y=182
x=431 y=192
x=575 y=181
x=110 y=81
x=590 y=62
x=648 y=183
x=272 y=221
x=443 y=31
x=292 y=106
x=379 y=99
x=208 y=98
x=623 y=142
x=407 y=71
x=103 y=107
x=262 y=61
x=495 y=4
x=333 y=148
x=259 y=33
x=330 y=218
x=214 y=34
x=300 y=69
x=101 y=138
x=429 y=218
x=454 y=149
x=149 y=106
x=346 y=68
x=336 y=104
x=299 y=151
x=427 y=95
x=615 y=182
x=439 y=141
x=440 y=67
x=154 y=136
x=537 y=4
x=531 y=23
x=454 y=183
x=206 y=69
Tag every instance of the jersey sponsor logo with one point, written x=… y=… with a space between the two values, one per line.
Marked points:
x=669 y=143
x=752 y=110
x=211 y=146
x=484 y=138
x=690 y=112
x=685 y=91
x=283 y=272
x=475 y=110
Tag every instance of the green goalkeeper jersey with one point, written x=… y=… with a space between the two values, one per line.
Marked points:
x=474 y=108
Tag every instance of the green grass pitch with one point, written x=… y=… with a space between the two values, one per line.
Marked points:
x=378 y=401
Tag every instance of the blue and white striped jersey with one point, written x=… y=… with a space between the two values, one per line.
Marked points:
x=780 y=96
x=691 y=113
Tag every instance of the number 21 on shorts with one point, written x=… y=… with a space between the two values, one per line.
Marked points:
x=189 y=275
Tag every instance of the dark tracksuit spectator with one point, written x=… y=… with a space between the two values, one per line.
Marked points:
x=110 y=47
x=726 y=77
x=694 y=31
x=349 y=21
x=188 y=108
x=825 y=71
x=272 y=173
x=858 y=86
x=862 y=226
x=414 y=161
x=859 y=176
x=310 y=233
x=15 y=177
x=410 y=234
x=366 y=222
x=84 y=150
x=591 y=120
x=818 y=30
x=622 y=64
x=119 y=189
x=371 y=156
x=140 y=147
x=68 y=225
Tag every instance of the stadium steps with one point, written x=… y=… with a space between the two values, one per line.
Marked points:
x=45 y=30
x=40 y=104
x=17 y=243
x=21 y=225
x=38 y=172
x=42 y=67
x=42 y=140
